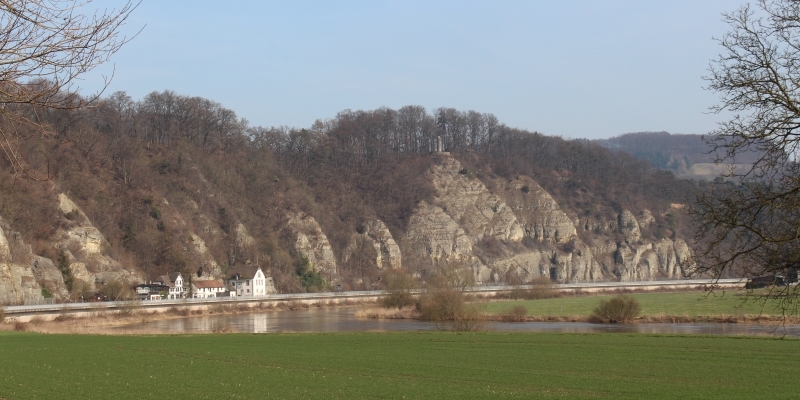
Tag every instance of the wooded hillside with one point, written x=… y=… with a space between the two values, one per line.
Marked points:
x=154 y=176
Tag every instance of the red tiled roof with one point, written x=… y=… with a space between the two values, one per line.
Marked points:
x=208 y=284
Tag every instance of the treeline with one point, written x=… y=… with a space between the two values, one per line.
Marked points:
x=362 y=141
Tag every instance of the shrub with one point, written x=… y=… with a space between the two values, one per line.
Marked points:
x=21 y=326
x=2 y=315
x=398 y=289
x=63 y=316
x=182 y=311
x=469 y=320
x=518 y=313
x=445 y=301
x=542 y=288
x=310 y=279
x=618 y=309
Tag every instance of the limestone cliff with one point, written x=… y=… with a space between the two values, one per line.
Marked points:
x=24 y=275
x=17 y=282
x=311 y=242
x=85 y=248
x=387 y=251
x=518 y=230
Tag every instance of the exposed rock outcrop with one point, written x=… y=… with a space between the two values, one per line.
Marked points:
x=437 y=234
x=85 y=246
x=647 y=219
x=629 y=227
x=5 y=250
x=465 y=213
x=466 y=200
x=18 y=284
x=387 y=251
x=539 y=212
x=49 y=277
x=311 y=242
x=208 y=268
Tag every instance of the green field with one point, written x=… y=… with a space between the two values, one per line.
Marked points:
x=689 y=304
x=395 y=365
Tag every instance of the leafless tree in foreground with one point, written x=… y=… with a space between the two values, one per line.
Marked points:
x=45 y=46
x=750 y=226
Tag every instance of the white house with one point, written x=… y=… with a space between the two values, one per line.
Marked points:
x=206 y=289
x=250 y=282
x=175 y=283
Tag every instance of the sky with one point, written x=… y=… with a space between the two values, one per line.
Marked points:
x=576 y=69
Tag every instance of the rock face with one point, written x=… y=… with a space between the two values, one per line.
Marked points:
x=84 y=246
x=538 y=212
x=483 y=229
x=208 y=269
x=387 y=251
x=629 y=227
x=5 y=250
x=311 y=242
x=437 y=234
x=49 y=277
x=18 y=284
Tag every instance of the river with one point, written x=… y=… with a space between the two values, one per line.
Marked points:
x=343 y=319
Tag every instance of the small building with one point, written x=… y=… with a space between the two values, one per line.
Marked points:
x=174 y=282
x=207 y=289
x=150 y=291
x=250 y=282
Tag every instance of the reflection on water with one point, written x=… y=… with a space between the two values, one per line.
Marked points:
x=343 y=320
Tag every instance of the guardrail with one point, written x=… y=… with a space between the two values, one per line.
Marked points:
x=112 y=305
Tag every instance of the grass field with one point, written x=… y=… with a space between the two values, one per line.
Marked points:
x=395 y=365
x=689 y=304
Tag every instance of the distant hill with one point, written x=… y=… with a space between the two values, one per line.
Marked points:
x=687 y=155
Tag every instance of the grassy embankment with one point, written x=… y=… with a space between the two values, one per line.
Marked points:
x=394 y=365
x=680 y=306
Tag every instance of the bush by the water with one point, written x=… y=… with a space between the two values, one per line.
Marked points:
x=2 y=315
x=399 y=285
x=516 y=314
x=618 y=309
x=445 y=301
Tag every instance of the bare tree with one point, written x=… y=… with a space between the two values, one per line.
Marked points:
x=750 y=226
x=45 y=46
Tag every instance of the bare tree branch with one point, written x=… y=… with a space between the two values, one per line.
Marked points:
x=750 y=226
x=45 y=47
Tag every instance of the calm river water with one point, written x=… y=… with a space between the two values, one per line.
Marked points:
x=343 y=320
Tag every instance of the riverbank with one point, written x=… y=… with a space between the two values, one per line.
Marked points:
x=411 y=313
x=99 y=322
x=658 y=307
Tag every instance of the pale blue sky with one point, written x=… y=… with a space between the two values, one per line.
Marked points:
x=571 y=68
